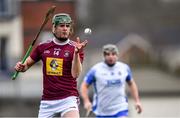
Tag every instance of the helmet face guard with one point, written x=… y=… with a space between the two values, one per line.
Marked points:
x=61 y=18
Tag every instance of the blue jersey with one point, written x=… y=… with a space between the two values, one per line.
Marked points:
x=109 y=87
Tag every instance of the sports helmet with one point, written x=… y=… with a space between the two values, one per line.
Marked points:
x=110 y=48
x=61 y=18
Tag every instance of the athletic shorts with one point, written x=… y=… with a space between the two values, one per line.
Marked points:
x=48 y=108
x=118 y=115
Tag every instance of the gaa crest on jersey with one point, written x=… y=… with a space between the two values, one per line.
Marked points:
x=54 y=66
x=66 y=53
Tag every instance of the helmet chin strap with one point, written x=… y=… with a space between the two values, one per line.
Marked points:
x=59 y=38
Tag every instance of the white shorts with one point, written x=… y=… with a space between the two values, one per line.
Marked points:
x=48 y=108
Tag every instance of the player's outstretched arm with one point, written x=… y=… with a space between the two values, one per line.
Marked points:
x=23 y=67
x=76 y=63
x=135 y=94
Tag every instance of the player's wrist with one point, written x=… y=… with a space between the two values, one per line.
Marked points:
x=25 y=68
x=77 y=50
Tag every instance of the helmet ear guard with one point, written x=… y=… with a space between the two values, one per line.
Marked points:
x=53 y=29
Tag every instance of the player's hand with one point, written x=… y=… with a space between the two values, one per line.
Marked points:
x=80 y=45
x=88 y=106
x=138 y=107
x=20 y=67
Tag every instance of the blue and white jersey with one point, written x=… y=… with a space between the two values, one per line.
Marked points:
x=109 y=87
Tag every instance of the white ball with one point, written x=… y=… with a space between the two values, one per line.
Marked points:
x=87 y=31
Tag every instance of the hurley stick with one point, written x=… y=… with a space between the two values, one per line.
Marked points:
x=46 y=19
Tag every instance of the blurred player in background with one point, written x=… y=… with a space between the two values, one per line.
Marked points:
x=62 y=63
x=109 y=79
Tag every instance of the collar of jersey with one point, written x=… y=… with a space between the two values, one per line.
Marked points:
x=60 y=43
x=109 y=66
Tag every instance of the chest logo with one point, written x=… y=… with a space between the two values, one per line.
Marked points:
x=46 y=52
x=66 y=53
x=54 y=66
x=116 y=82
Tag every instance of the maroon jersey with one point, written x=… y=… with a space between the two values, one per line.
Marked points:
x=58 y=82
